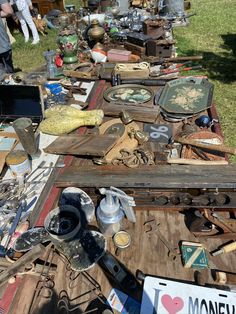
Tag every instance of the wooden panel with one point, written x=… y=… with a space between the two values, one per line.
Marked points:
x=87 y=144
x=161 y=199
x=138 y=113
x=140 y=51
x=44 y=6
x=146 y=254
x=162 y=176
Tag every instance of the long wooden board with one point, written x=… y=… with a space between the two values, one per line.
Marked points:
x=139 y=113
x=162 y=176
x=86 y=144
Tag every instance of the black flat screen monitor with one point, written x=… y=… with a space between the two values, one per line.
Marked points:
x=21 y=101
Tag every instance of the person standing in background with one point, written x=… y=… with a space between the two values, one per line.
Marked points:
x=12 y=39
x=24 y=16
x=5 y=45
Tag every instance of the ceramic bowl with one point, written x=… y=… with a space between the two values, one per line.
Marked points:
x=99 y=17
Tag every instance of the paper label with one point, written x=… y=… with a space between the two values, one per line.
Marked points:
x=21 y=168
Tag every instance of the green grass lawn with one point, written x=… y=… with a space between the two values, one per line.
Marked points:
x=211 y=33
x=27 y=56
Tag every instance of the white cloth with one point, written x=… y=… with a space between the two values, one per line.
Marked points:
x=21 y=4
x=25 y=18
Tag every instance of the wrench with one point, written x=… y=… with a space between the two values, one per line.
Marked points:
x=151 y=226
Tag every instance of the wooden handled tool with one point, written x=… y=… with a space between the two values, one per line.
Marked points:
x=224 y=277
x=146 y=82
x=28 y=257
x=202 y=144
x=185 y=161
x=225 y=249
x=184 y=58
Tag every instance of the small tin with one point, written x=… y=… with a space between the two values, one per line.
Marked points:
x=122 y=240
x=18 y=163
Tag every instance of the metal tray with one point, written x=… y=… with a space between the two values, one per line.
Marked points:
x=186 y=96
x=128 y=94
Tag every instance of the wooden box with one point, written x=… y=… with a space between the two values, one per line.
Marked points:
x=154 y=28
x=44 y=6
x=135 y=49
x=158 y=49
x=132 y=71
x=138 y=39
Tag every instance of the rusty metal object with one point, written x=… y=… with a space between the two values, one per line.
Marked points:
x=203 y=136
x=45 y=285
x=92 y=293
x=141 y=137
x=200 y=226
x=152 y=227
x=125 y=117
x=134 y=158
x=74 y=90
x=227 y=225
x=200 y=153
x=205 y=144
x=209 y=223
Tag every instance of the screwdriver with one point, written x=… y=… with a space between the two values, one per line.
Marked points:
x=225 y=249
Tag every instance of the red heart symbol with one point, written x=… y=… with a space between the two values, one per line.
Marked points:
x=172 y=305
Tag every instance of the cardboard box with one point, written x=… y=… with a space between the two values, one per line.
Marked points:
x=193 y=255
x=132 y=70
x=118 y=55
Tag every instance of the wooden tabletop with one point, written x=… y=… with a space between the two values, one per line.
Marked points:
x=146 y=253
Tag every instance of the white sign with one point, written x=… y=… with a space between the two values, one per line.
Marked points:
x=162 y=296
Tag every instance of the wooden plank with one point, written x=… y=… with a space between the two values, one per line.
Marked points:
x=188 y=161
x=84 y=144
x=162 y=176
x=138 y=113
x=153 y=199
x=140 y=51
x=145 y=253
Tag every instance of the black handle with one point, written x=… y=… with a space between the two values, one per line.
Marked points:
x=146 y=82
